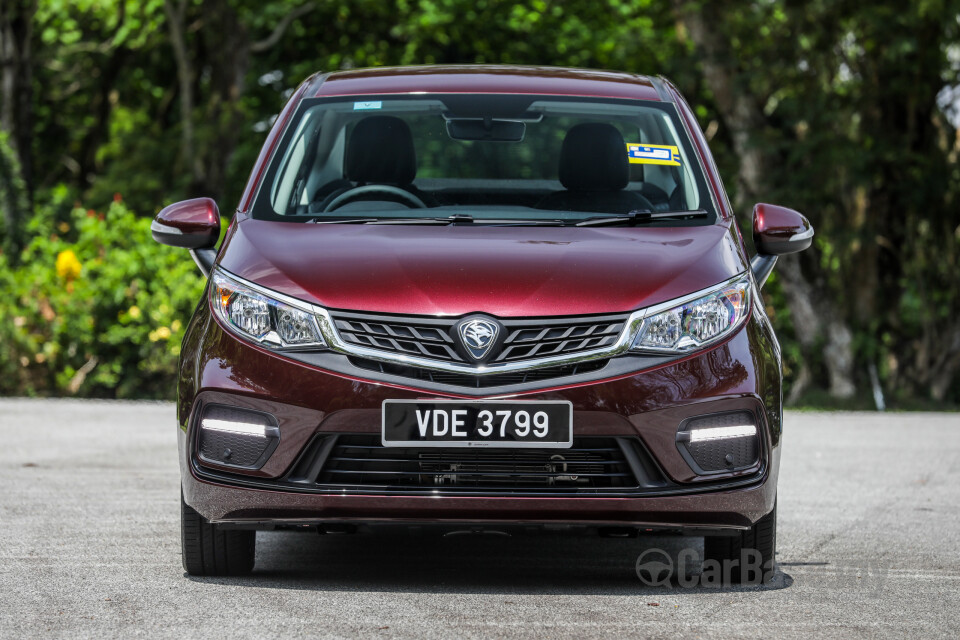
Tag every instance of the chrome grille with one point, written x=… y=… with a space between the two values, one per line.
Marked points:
x=480 y=382
x=407 y=336
x=435 y=338
x=539 y=341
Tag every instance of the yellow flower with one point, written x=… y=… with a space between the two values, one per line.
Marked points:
x=175 y=325
x=134 y=312
x=68 y=267
x=161 y=333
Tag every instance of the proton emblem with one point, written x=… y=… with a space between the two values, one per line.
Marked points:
x=478 y=335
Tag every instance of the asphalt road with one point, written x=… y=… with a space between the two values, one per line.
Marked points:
x=869 y=545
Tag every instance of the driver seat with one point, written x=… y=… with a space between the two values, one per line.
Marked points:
x=379 y=151
x=594 y=170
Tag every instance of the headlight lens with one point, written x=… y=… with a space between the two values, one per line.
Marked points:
x=261 y=318
x=697 y=323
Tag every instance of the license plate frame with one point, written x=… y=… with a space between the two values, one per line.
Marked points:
x=400 y=418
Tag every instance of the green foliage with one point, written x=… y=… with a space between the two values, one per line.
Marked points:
x=850 y=131
x=95 y=307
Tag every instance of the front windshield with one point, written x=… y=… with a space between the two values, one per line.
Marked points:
x=483 y=157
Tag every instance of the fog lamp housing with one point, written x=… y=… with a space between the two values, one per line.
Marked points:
x=234 y=437
x=720 y=442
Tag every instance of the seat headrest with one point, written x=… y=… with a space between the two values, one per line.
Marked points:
x=380 y=150
x=594 y=158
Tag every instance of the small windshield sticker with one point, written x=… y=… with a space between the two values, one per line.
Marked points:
x=364 y=106
x=653 y=154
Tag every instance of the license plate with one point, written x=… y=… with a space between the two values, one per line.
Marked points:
x=483 y=423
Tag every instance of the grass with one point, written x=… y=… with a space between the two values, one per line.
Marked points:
x=821 y=400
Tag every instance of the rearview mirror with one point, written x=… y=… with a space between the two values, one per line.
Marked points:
x=191 y=224
x=777 y=231
x=486 y=129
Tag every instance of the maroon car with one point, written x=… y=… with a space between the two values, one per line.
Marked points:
x=481 y=297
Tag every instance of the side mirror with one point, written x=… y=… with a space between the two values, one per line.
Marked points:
x=777 y=231
x=191 y=224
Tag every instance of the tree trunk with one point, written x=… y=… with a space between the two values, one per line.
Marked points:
x=16 y=103
x=227 y=56
x=226 y=52
x=815 y=316
x=176 y=20
x=903 y=94
x=101 y=110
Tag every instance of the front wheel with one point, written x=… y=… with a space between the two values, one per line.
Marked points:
x=209 y=550
x=746 y=558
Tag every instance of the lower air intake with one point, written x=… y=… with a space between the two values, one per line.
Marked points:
x=351 y=461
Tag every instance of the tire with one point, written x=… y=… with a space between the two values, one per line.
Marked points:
x=209 y=550
x=731 y=553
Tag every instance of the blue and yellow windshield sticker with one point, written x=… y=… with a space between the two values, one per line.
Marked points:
x=653 y=154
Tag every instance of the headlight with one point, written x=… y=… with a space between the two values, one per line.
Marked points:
x=261 y=318
x=696 y=323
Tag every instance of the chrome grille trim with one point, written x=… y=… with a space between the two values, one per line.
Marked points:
x=480 y=382
x=526 y=339
x=622 y=345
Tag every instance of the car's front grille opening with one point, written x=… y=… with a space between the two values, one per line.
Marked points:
x=524 y=339
x=479 y=382
x=361 y=462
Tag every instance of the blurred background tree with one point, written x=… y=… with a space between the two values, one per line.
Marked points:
x=847 y=111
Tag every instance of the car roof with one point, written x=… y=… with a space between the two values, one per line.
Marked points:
x=482 y=78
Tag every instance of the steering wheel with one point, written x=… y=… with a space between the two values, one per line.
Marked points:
x=350 y=194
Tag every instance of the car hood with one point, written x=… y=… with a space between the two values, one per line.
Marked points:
x=503 y=271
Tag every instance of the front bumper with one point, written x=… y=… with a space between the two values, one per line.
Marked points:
x=742 y=373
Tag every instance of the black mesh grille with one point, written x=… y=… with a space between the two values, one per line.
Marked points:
x=720 y=454
x=479 y=382
x=436 y=338
x=360 y=461
x=716 y=455
x=236 y=449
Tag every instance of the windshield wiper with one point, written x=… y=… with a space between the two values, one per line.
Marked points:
x=640 y=217
x=340 y=221
x=383 y=221
x=455 y=219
